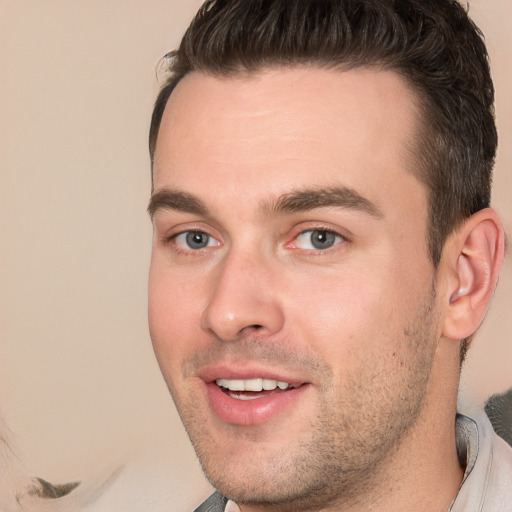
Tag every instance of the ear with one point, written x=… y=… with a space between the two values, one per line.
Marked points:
x=474 y=254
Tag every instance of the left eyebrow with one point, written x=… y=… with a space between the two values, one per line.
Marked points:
x=310 y=199
x=166 y=199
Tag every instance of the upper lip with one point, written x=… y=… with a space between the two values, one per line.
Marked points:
x=230 y=371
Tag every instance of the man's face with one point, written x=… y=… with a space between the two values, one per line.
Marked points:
x=290 y=252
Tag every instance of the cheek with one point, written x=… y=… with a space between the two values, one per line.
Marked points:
x=352 y=316
x=173 y=317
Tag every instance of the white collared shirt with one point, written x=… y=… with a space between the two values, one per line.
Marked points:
x=487 y=482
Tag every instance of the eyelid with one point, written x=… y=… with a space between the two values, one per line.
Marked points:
x=341 y=238
x=182 y=244
x=168 y=234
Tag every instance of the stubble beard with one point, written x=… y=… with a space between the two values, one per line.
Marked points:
x=342 y=453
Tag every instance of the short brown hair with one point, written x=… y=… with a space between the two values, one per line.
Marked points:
x=431 y=43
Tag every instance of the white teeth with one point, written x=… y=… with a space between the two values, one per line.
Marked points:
x=256 y=385
x=236 y=385
x=238 y=396
x=253 y=385
x=269 y=384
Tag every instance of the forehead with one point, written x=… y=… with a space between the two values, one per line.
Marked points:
x=289 y=127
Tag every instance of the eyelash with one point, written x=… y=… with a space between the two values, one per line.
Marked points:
x=194 y=232
x=336 y=238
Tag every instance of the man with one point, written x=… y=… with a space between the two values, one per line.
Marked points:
x=323 y=252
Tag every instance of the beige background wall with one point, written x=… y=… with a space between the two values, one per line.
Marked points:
x=78 y=382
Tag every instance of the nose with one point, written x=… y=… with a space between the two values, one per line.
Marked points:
x=243 y=299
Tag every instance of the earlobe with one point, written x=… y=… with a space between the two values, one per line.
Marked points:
x=475 y=255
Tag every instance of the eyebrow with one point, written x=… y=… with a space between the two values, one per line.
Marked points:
x=166 y=199
x=310 y=199
x=290 y=202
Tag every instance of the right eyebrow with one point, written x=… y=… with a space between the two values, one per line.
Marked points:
x=310 y=199
x=167 y=199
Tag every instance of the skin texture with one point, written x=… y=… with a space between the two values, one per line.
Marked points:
x=360 y=322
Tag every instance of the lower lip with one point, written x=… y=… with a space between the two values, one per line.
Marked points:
x=251 y=412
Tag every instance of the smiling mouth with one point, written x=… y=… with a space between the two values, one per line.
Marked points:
x=253 y=389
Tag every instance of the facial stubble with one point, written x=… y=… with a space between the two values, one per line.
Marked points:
x=343 y=450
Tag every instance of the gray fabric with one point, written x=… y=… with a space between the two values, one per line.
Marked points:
x=499 y=410
x=215 y=503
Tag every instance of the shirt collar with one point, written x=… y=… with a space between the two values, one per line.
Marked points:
x=231 y=506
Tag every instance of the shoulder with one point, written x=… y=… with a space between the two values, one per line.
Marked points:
x=499 y=489
x=487 y=483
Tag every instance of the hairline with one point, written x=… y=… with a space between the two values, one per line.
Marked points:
x=421 y=102
x=416 y=158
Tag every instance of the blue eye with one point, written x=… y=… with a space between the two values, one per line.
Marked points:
x=195 y=240
x=318 y=239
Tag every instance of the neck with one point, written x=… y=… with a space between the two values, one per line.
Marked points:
x=426 y=482
x=423 y=473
